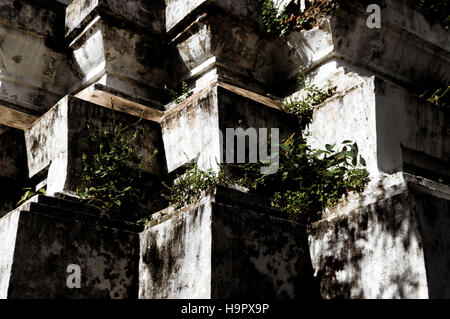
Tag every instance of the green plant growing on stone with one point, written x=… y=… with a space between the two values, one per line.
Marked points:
x=439 y=97
x=188 y=187
x=108 y=179
x=274 y=22
x=308 y=181
x=29 y=192
x=313 y=95
x=280 y=22
x=143 y=221
x=180 y=95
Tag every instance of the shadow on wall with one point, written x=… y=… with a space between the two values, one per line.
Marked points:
x=13 y=168
x=396 y=248
x=434 y=217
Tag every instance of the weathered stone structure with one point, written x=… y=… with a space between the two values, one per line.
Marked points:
x=63 y=62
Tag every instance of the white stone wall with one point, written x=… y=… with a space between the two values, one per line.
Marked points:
x=175 y=258
x=8 y=232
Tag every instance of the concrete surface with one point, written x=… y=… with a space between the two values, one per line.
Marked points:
x=37 y=248
x=397 y=247
x=395 y=130
x=54 y=141
x=216 y=248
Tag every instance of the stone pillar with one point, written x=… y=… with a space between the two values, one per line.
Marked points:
x=56 y=142
x=191 y=130
x=34 y=69
x=394 y=247
x=42 y=238
x=119 y=44
x=228 y=245
x=379 y=75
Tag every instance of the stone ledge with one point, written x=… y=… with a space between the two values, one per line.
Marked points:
x=225 y=196
x=384 y=188
x=179 y=12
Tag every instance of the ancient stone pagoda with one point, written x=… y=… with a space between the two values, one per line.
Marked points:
x=61 y=65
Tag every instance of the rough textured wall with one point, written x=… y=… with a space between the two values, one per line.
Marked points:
x=228 y=245
x=47 y=241
x=434 y=218
x=191 y=129
x=59 y=138
x=395 y=248
x=42 y=17
x=143 y=14
x=406 y=49
x=405 y=121
x=224 y=247
x=35 y=69
x=258 y=256
x=12 y=168
x=175 y=257
x=393 y=128
x=241 y=52
x=373 y=252
x=136 y=63
x=177 y=10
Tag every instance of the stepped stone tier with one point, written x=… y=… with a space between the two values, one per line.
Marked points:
x=228 y=245
x=73 y=120
x=45 y=235
x=395 y=130
x=64 y=64
x=35 y=69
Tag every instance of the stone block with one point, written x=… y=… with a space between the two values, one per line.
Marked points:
x=239 y=52
x=138 y=13
x=117 y=55
x=407 y=49
x=395 y=130
x=39 y=242
x=228 y=245
x=34 y=72
x=58 y=139
x=38 y=16
x=191 y=130
x=396 y=247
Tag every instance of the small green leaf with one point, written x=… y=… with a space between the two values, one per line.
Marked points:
x=362 y=161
